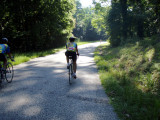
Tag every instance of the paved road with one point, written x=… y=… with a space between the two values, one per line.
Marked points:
x=40 y=90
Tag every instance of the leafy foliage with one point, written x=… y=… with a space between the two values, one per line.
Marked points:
x=89 y=23
x=36 y=24
x=132 y=18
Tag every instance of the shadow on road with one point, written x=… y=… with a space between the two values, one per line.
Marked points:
x=40 y=90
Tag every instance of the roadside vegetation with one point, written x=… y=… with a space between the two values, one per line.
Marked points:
x=24 y=57
x=130 y=74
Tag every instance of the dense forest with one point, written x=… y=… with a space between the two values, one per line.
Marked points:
x=129 y=19
x=39 y=25
x=89 y=23
x=36 y=25
x=123 y=21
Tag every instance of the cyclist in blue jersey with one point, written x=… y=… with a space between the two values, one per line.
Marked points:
x=4 y=49
x=72 y=50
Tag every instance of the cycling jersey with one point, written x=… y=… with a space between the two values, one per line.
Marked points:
x=4 y=48
x=71 y=46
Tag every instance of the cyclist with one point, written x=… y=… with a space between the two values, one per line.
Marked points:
x=4 y=49
x=72 y=50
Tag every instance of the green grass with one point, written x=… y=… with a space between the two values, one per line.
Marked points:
x=24 y=57
x=130 y=75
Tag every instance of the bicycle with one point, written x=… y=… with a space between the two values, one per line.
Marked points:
x=70 y=70
x=6 y=74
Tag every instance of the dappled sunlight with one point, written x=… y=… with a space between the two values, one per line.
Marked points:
x=32 y=111
x=40 y=90
x=84 y=58
x=91 y=53
x=18 y=86
x=29 y=82
x=19 y=101
x=59 y=71
x=86 y=116
x=83 y=89
x=8 y=89
x=3 y=100
x=86 y=64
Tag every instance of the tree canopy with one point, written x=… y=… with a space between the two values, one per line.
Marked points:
x=36 y=24
x=132 y=18
x=43 y=24
x=89 y=23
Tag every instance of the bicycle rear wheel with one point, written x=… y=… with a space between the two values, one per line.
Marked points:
x=70 y=73
x=9 y=72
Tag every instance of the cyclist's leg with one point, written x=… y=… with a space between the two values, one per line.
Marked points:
x=74 y=66
x=4 y=60
x=67 y=59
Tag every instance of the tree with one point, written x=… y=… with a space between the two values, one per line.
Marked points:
x=89 y=23
x=132 y=18
x=36 y=25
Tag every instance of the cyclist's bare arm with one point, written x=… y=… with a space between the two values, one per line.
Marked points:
x=10 y=56
x=77 y=51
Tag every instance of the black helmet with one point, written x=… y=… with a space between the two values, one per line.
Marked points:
x=72 y=39
x=4 y=40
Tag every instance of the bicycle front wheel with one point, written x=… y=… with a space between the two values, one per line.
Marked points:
x=9 y=72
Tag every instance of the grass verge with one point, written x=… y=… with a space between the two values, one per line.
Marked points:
x=130 y=75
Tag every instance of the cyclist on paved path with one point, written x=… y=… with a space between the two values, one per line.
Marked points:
x=72 y=50
x=4 y=49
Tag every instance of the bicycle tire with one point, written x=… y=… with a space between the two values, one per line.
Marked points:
x=70 y=67
x=1 y=78
x=9 y=72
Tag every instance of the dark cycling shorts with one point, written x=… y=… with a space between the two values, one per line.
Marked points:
x=73 y=54
x=2 y=57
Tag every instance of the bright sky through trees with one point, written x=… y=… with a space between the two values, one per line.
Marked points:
x=87 y=3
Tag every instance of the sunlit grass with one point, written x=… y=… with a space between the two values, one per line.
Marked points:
x=130 y=75
x=24 y=57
